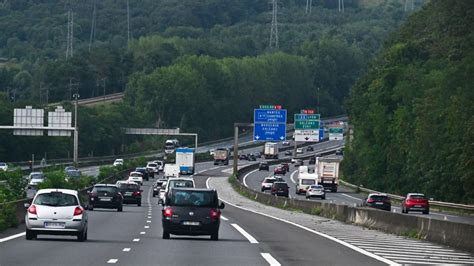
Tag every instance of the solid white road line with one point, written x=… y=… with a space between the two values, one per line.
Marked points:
x=357 y=249
x=292 y=176
x=112 y=261
x=250 y=238
x=245 y=176
x=224 y=218
x=136 y=240
x=12 y=237
x=126 y=249
x=270 y=259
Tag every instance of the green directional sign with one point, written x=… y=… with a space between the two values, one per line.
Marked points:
x=307 y=124
x=336 y=130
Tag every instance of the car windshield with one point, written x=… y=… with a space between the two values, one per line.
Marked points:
x=269 y=180
x=37 y=176
x=417 y=197
x=308 y=181
x=379 y=198
x=128 y=187
x=193 y=198
x=57 y=199
x=181 y=183
x=105 y=189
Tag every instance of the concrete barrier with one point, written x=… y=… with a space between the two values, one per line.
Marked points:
x=457 y=235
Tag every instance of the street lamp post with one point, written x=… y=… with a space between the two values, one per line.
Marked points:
x=76 y=131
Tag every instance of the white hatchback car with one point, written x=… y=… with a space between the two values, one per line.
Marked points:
x=136 y=177
x=315 y=191
x=118 y=162
x=4 y=167
x=56 y=212
x=267 y=183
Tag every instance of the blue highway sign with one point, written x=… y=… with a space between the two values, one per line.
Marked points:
x=269 y=116
x=269 y=132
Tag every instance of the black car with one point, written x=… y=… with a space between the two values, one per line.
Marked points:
x=157 y=186
x=312 y=160
x=192 y=211
x=310 y=148
x=339 y=152
x=131 y=193
x=288 y=152
x=280 y=189
x=144 y=171
x=105 y=196
x=378 y=201
x=251 y=157
x=263 y=166
x=243 y=157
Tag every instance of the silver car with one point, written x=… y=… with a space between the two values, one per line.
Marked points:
x=315 y=191
x=56 y=212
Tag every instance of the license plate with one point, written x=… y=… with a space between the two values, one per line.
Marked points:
x=128 y=193
x=328 y=182
x=417 y=206
x=54 y=225
x=379 y=203
x=191 y=223
x=105 y=199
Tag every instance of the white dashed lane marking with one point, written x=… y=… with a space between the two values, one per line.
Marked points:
x=136 y=240
x=224 y=218
x=112 y=261
x=126 y=249
x=142 y=233
x=146 y=227
x=270 y=259
x=249 y=237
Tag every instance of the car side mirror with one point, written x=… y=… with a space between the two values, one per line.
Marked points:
x=222 y=205
x=26 y=205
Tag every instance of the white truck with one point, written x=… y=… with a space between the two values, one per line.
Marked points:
x=185 y=160
x=221 y=155
x=271 y=150
x=327 y=170
x=171 y=170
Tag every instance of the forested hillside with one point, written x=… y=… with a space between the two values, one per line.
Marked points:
x=413 y=113
x=325 y=50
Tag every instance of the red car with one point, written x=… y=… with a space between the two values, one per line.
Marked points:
x=286 y=166
x=279 y=170
x=415 y=202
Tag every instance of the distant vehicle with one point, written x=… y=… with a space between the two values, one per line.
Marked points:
x=118 y=162
x=171 y=170
x=415 y=202
x=190 y=211
x=299 y=151
x=267 y=183
x=312 y=160
x=271 y=150
x=310 y=148
x=35 y=179
x=158 y=185
x=144 y=171
x=70 y=167
x=315 y=191
x=221 y=155
x=136 y=177
x=299 y=162
x=279 y=170
x=131 y=193
x=257 y=154
x=263 y=166
x=251 y=157
x=185 y=160
x=105 y=196
x=288 y=152
x=305 y=180
x=243 y=157
x=285 y=143
x=286 y=166
x=175 y=183
x=161 y=165
x=152 y=168
x=3 y=166
x=327 y=169
x=339 y=152
x=171 y=145
x=212 y=152
x=73 y=174
x=280 y=189
x=56 y=212
x=378 y=201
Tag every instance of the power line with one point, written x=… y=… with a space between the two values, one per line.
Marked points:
x=274 y=28
x=93 y=25
x=128 y=24
x=309 y=5
x=70 y=32
x=341 y=5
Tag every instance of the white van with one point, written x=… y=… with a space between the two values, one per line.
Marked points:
x=175 y=182
x=304 y=181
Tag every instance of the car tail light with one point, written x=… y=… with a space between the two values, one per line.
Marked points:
x=370 y=201
x=215 y=215
x=167 y=212
x=32 y=209
x=78 y=211
x=136 y=193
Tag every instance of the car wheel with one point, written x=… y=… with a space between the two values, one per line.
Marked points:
x=426 y=212
x=307 y=197
x=120 y=209
x=30 y=235
x=263 y=190
x=139 y=204
x=82 y=235
x=166 y=234
x=91 y=207
x=153 y=195
x=323 y=197
x=215 y=236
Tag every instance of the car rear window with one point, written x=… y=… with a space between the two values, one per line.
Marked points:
x=417 y=197
x=105 y=189
x=128 y=187
x=269 y=180
x=308 y=181
x=280 y=185
x=379 y=198
x=317 y=187
x=193 y=198
x=56 y=199
x=181 y=183
x=136 y=175
x=152 y=165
